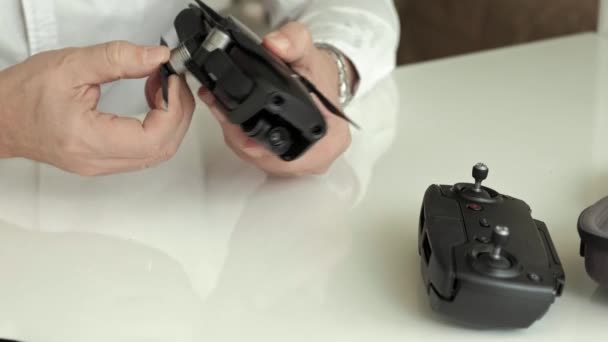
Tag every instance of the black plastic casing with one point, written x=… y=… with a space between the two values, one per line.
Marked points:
x=256 y=90
x=277 y=98
x=592 y=228
x=451 y=234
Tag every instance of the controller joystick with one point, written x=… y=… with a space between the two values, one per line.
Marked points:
x=500 y=237
x=495 y=258
x=480 y=173
x=476 y=192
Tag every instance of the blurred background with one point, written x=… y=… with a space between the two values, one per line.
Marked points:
x=433 y=29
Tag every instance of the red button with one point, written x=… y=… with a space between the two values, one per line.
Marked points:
x=475 y=207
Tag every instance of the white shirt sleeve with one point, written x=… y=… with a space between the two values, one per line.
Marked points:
x=367 y=32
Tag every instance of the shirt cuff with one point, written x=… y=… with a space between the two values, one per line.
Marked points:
x=369 y=42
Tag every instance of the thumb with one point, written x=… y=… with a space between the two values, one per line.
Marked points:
x=292 y=43
x=116 y=60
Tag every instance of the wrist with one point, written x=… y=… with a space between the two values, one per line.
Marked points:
x=348 y=77
x=353 y=76
x=6 y=151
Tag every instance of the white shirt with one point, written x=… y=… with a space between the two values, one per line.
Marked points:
x=164 y=215
x=150 y=255
x=366 y=31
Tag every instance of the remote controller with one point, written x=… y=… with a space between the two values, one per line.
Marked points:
x=485 y=261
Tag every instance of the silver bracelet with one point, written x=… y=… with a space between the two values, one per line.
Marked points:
x=344 y=86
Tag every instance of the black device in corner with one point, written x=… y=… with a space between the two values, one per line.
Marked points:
x=593 y=231
x=485 y=261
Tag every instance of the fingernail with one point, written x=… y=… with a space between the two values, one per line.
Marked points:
x=279 y=40
x=154 y=55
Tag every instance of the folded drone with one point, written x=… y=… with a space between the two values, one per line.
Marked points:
x=272 y=103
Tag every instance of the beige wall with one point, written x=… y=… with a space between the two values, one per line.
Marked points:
x=603 y=17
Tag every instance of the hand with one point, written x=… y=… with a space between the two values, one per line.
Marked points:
x=49 y=113
x=294 y=45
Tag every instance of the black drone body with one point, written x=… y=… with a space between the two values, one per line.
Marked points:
x=257 y=91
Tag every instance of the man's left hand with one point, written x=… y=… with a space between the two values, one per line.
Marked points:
x=293 y=43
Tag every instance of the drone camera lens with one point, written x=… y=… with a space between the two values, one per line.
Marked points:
x=279 y=139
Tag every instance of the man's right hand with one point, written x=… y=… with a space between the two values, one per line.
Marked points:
x=48 y=110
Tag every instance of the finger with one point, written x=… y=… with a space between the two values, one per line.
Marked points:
x=234 y=136
x=207 y=97
x=188 y=105
x=112 y=136
x=253 y=154
x=152 y=87
x=116 y=60
x=90 y=96
x=123 y=137
x=104 y=167
x=292 y=43
x=160 y=125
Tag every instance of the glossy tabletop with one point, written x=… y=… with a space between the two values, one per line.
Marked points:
x=207 y=248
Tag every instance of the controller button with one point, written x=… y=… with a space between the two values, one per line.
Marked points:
x=484 y=223
x=483 y=239
x=535 y=277
x=474 y=207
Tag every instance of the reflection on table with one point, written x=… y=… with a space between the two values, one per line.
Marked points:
x=151 y=255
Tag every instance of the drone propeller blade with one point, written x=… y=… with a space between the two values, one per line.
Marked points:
x=164 y=79
x=325 y=101
x=214 y=17
x=164 y=85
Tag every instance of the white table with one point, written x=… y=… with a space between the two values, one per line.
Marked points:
x=205 y=248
